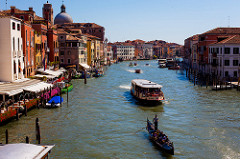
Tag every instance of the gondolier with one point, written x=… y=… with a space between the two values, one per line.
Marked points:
x=155 y=121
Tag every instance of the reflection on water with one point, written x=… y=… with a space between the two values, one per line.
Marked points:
x=103 y=120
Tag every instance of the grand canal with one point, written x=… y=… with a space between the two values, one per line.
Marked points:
x=102 y=120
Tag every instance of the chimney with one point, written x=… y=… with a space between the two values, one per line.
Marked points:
x=30 y=9
x=13 y=9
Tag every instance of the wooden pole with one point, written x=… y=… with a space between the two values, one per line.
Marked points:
x=85 y=76
x=67 y=94
x=27 y=140
x=6 y=133
x=238 y=84
x=50 y=91
x=17 y=114
x=38 y=136
x=25 y=109
x=194 y=74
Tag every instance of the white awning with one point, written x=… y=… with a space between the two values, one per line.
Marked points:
x=85 y=65
x=22 y=150
x=52 y=72
x=38 y=87
x=14 y=88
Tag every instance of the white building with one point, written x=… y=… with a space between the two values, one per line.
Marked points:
x=124 y=51
x=11 y=61
x=224 y=57
x=147 y=50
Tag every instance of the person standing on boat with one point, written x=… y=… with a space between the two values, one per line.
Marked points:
x=155 y=121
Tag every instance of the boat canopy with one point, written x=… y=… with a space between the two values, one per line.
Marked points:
x=22 y=150
x=145 y=83
x=56 y=99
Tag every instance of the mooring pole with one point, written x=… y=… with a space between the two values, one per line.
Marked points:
x=27 y=140
x=38 y=136
x=85 y=76
x=6 y=133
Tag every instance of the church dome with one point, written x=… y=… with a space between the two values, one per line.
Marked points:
x=63 y=17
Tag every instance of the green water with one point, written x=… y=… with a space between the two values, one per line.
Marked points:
x=102 y=120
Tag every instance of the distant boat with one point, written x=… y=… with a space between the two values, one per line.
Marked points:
x=147 y=64
x=130 y=64
x=135 y=64
x=67 y=88
x=54 y=102
x=137 y=70
x=147 y=91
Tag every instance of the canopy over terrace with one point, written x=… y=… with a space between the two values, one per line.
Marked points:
x=15 y=88
x=86 y=66
x=52 y=72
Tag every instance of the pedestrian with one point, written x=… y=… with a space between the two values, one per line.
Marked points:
x=155 y=121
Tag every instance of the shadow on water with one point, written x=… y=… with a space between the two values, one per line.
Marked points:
x=135 y=102
x=163 y=154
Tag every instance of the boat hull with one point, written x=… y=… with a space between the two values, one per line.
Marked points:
x=148 y=101
x=65 y=90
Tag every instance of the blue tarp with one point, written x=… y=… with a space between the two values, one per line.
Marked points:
x=56 y=99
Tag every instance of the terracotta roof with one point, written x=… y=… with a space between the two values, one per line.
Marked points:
x=17 y=11
x=70 y=37
x=123 y=44
x=223 y=31
x=91 y=36
x=92 y=25
x=38 y=18
x=61 y=31
x=231 y=40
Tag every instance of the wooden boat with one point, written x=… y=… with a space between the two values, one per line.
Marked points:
x=175 y=67
x=162 y=65
x=147 y=91
x=68 y=87
x=137 y=70
x=22 y=150
x=160 y=139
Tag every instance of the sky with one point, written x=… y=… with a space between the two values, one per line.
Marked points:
x=168 y=20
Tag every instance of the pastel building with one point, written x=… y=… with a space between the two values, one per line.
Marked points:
x=11 y=49
x=124 y=51
x=224 y=57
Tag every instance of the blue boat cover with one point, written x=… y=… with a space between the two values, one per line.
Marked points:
x=56 y=99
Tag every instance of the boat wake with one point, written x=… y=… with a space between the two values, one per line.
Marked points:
x=132 y=71
x=125 y=87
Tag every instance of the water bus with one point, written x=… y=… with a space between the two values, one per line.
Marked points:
x=147 y=91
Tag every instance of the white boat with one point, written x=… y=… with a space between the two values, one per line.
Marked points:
x=162 y=63
x=147 y=91
x=22 y=151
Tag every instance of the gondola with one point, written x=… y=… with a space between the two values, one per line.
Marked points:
x=157 y=138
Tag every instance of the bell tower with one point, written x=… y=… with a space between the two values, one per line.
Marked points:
x=47 y=12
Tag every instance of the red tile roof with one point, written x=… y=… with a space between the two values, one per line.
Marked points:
x=223 y=31
x=231 y=40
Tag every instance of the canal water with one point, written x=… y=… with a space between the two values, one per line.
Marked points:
x=102 y=120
